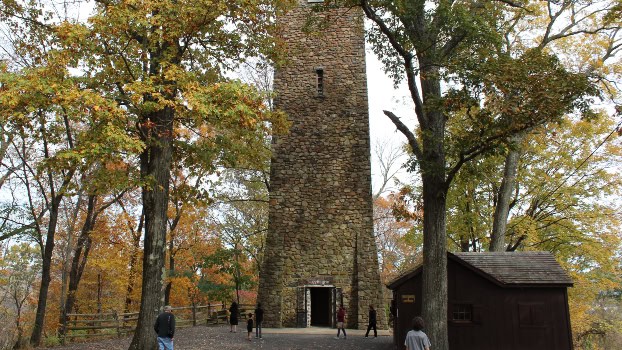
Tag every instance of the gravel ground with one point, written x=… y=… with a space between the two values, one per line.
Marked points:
x=203 y=338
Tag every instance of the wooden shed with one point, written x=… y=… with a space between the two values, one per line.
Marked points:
x=506 y=300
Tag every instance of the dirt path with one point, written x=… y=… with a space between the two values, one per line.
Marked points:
x=216 y=338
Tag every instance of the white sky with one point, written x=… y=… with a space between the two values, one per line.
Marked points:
x=383 y=96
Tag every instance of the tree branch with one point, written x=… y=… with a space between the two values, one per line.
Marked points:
x=406 y=56
x=412 y=140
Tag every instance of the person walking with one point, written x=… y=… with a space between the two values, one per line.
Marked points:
x=258 y=320
x=165 y=328
x=233 y=318
x=416 y=339
x=341 y=320
x=372 y=322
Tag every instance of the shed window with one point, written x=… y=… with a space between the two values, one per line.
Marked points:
x=462 y=313
x=320 y=81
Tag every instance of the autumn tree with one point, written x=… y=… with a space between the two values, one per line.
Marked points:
x=587 y=37
x=185 y=193
x=395 y=254
x=395 y=213
x=193 y=239
x=566 y=205
x=448 y=53
x=95 y=205
x=19 y=268
x=52 y=115
x=164 y=62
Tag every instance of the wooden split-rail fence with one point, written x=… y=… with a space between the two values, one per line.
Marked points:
x=121 y=324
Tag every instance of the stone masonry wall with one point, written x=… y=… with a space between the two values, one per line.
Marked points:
x=320 y=220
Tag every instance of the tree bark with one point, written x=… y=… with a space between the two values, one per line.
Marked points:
x=100 y=282
x=504 y=196
x=79 y=260
x=430 y=155
x=434 y=291
x=171 y=254
x=133 y=261
x=171 y=265
x=65 y=269
x=433 y=176
x=46 y=278
x=155 y=160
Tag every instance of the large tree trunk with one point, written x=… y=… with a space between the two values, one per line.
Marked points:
x=433 y=176
x=155 y=161
x=434 y=292
x=430 y=155
x=504 y=196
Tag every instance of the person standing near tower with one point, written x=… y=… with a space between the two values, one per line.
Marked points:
x=258 y=320
x=233 y=317
x=341 y=320
x=372 y=322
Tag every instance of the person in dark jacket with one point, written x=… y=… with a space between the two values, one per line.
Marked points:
x=258 y=320
x=372 y=322
x=233 y=318
x=165 y=328
x=249 y=326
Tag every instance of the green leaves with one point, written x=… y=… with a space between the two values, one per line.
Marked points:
x=504 y=95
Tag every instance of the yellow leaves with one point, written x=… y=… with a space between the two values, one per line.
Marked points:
x=71 y=34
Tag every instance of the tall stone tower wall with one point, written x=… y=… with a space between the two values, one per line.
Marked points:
x=320 y=232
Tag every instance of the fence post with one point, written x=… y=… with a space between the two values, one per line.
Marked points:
x=115 y=316
x=209 y=313
x=194 y=315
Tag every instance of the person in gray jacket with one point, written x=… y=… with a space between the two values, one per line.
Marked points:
x=416 y=339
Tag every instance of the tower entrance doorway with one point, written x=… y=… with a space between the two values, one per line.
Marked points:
x=317 y=305
x=321 y=306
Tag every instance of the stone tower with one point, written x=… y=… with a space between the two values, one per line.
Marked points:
x=320 y=249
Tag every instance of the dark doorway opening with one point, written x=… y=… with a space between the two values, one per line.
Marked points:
x=320 y=306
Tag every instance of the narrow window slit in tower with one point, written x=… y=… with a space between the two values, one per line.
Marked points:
x=320 y=81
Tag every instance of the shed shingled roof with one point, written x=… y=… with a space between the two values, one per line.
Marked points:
x=507 y=268
x=514 y=268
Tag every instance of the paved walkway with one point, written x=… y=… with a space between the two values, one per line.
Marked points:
x=219 y=337
x=320 y=330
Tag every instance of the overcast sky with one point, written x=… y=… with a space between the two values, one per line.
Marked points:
x=383 y=96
